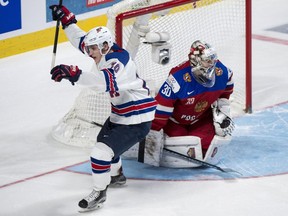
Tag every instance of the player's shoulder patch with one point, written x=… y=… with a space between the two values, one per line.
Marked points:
x=172 y=82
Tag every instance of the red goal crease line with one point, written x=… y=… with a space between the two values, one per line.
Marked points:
x=270 y=39
x=40 y=175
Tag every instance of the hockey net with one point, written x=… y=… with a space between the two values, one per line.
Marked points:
x=222 y=23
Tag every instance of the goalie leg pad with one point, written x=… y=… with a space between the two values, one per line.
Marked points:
x=216 y=149
x=153 y=147
x=131 y=153
x=186 y=145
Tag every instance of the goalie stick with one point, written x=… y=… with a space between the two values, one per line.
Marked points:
x=55 y=40
x=141 y=152
x=199 y=162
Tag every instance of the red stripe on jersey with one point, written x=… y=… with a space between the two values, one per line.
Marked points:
x=134 y=107
x=111 y=80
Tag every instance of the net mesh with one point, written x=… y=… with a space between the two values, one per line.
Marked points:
x=218 y=22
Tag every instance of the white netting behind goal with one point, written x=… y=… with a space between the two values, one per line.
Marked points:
x=219 y=22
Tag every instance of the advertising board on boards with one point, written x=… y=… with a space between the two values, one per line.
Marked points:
x=10 y=15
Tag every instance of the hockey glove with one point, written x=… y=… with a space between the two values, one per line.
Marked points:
x=71 y=73
x=63 y=14
x=223 y=123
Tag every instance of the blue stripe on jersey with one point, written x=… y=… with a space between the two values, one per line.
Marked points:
x=118 y=53
x=137 y=112
x=160 y=112
x=135 y=107
x=144 y=84
x=111 y=84
x=131 y=103
x=81 y=44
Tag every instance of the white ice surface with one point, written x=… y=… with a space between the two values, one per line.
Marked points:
x=31 y=183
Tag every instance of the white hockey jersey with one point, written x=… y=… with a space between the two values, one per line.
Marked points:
x=116 y=74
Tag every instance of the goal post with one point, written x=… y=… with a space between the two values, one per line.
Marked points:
x=248 y=63
x=225 y=24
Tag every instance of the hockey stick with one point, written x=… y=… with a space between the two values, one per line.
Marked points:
x=55 y=40
x=141 y=151
x=199 y=162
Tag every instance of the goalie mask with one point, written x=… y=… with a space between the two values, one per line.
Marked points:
x=203 y=60
x=98 y=36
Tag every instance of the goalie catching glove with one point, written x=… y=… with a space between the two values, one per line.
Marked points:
x=61 y=13
x=222 y=120
x=71 y=73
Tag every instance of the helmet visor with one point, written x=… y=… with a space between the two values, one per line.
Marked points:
x=204 y=73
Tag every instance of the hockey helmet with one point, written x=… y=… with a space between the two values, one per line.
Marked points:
x=203 y=59
x=98 y=36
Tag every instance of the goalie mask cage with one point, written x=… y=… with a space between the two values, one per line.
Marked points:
x=225 y=24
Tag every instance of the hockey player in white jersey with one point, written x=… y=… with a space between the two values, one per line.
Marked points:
x=132 y=107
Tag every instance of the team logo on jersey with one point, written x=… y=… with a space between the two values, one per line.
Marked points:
x=218 y=71
x=201 y=106
x=187 y=77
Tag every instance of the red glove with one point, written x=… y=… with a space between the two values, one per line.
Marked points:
x=63 y=14
x=71 y=73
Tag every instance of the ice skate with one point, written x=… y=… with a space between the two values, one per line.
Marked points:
x=118 y=180
x=93 y=201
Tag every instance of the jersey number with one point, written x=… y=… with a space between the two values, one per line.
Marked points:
x=166 y=90
x=115 y=67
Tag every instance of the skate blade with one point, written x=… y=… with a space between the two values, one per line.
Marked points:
x=98 y=206
x=116 y=185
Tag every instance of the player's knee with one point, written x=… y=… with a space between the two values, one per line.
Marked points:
x=102 y=152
